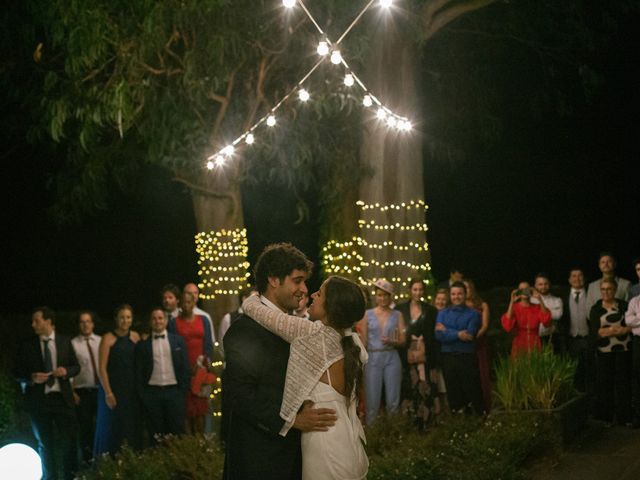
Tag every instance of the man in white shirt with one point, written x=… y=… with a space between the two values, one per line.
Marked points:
x=554 y=304
x=634 y=290
x=85 y=385
x=632 y=319
x=163 y=377
x=575 y=329
x=607 y=265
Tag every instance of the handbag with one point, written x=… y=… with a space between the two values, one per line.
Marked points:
x=417 y=352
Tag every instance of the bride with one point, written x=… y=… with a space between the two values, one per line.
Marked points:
x=325 y=367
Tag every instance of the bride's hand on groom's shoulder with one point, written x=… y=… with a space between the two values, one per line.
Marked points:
x=311 y=419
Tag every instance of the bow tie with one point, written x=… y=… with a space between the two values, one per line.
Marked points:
x=155 y=337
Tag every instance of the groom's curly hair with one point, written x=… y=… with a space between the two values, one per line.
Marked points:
x=345 y=305
x=279 y=260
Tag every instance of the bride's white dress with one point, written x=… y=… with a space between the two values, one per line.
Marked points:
x=338 y=453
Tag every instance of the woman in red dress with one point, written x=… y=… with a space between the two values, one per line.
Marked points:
x=524 y=318
x=196 y=331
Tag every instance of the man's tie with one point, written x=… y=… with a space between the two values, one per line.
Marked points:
x=93 y=361
x=577 y=296
x=48 y=365
x=158 y=336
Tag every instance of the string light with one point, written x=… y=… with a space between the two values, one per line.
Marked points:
x=324 y=47
x=222 y=262
x=303 y=95
x=398 y=262
x=348 y=80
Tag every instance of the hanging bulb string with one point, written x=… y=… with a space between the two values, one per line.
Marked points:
x=248 y=134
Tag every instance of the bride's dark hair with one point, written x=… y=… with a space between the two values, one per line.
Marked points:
x=345 y=305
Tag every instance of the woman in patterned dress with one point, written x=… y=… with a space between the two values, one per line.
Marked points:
x=613 y=356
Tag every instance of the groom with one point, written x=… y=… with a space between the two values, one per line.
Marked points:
x=253 y=381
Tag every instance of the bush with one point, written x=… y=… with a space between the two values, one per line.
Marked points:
x=461 y=447
x=8 y=407
x=539 y=380
x=191 y=457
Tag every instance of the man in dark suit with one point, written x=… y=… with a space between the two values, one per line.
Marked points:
x=162 y=377
x=45 y=365
x=253 y=381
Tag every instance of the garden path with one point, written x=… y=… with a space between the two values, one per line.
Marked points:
x=599 y=453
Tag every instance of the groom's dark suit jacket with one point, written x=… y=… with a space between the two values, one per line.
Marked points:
x=253 y=384
x=31 y=361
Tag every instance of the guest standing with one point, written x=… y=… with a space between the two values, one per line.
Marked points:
x=632 y=319
x=44 y=367
x=613 y=356
x=420 y=357
x=607 y=265
x=118 y=405
x=475 y=302
x=162 y=378
x=456 y=328
x=524 y=318
x=383 y=332
x=86 y=346
x=196 y=331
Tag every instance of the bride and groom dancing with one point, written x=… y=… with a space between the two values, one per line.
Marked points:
x=289 y=403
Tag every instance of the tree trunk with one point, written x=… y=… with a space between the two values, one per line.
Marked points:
x=396 y=160
x=220 y=241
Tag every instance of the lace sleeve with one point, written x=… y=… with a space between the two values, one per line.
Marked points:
x=288 y=327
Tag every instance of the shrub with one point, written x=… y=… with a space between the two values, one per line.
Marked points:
x=539 y=380
x=8 y=407
x=192 y=457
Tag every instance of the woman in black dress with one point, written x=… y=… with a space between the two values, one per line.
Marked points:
x=420 y=356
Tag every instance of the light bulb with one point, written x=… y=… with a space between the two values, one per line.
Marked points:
x=366 y=101
x=228 y=150
x=289 y=3
x=271 y=120
x=391 y=121
x=323 y=48
x=348 y=80
x=219 y=160
x=210 y=165
x=303 y=95
x=336 y=58
x=381 y=114
x=250 y=139
x=385 y=3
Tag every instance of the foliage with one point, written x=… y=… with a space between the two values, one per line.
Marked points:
x=8 y=407
x=539 y=380
x=186 y=457
x=169 y=82
x=460 y=447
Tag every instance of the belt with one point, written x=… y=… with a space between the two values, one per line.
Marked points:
x=163 y=387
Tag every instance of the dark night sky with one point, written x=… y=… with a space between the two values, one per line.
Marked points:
x=550 y=194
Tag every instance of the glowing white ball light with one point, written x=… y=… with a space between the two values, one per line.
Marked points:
x=323 y=48
x=336 y=58
x=381 y=114
x=385 y=3
x=250 y=139
x=228 y=150
x=209 y=165
x=348 y=80
x=20 y=461
x=219 y=160
x=303 y=95
x=271 y=120
x=289 y=3
x=367 y=101
x=391 y=121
